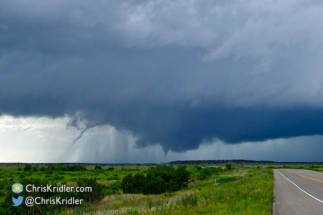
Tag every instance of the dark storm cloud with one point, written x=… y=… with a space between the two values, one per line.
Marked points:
x=170 y=72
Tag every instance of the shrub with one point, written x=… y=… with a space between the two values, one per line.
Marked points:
x=97 y=189
x=57 y=177
x=181 y=176
x=27 y=167
x=3 y=184
x=114 y=177
x=97 y=167
x=75 y=168
x=50 y=167
x=154 y=185
x=115 y=187
x=202 y=176
x=158 y=180
x=138 y=183
x=61 y=167
x=126 y=184
x=198 y=168
x=208 y=171
x=314 y=166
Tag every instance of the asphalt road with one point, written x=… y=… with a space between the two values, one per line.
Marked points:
x=298 y=192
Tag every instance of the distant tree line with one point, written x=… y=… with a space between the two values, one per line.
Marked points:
x=194 y=162
x=51 y=167
x=157 y=180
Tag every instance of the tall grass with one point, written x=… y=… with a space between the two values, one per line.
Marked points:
x=248 y=194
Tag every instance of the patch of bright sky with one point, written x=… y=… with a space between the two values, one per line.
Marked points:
x=50 y=140
x=33 y=139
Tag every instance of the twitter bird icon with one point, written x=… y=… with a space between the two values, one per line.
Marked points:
x=18 y=201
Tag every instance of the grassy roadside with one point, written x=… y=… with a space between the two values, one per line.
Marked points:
x=240 y=191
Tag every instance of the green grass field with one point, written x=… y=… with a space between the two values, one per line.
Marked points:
x=241 y=190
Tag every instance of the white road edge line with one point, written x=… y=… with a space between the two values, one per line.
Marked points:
x=300 y=188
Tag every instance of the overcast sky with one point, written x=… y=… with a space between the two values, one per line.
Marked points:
x=156 y=81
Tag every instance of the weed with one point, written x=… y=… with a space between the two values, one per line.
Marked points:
x=188 y=200
x=132 y=212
